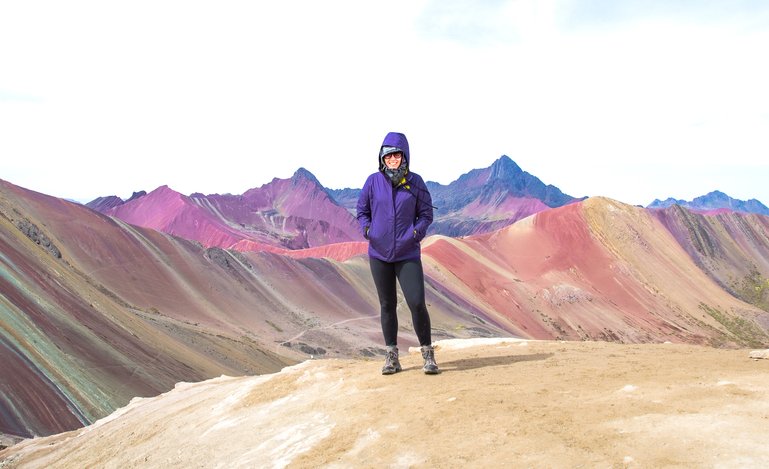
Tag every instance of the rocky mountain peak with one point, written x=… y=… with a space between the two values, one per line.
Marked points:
x=136 y=195
x=303 y=173
x=504 y=169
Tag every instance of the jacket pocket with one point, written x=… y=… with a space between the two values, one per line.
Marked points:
x=375 y=239
x=417 y=238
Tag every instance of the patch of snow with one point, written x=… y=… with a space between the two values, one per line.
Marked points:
x=222 y=424
x=236 y=396
x=312 y=376
x=296 y=367
x=406 y=461
x=369 y=437
x=117 y=413
x=458 y=344
x=282 y=447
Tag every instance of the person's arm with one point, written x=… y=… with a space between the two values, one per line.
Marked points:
x=364 y=208
x=424 y=210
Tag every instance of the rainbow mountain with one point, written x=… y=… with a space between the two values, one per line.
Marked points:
x=96 y=311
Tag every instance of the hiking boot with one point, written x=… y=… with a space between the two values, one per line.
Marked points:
x=428 y=353
x=392 y=364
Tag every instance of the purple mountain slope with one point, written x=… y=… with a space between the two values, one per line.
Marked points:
x=487 y=199
x=294 y=213
x=102 y=204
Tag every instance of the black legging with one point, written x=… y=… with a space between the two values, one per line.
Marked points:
x=411 y=278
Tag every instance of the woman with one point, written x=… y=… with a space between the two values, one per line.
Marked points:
x=394 y=211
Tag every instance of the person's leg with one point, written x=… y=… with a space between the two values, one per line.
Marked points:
x=384 y=280
x=412 y=281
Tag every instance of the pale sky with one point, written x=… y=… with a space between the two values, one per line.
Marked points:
x=633 y=100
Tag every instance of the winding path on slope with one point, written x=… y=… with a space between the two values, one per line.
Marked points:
x=328 y=326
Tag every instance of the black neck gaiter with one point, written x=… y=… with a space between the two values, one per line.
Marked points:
x=396 y=175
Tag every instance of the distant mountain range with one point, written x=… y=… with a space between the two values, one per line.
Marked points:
x=299 y=213
x=714 y=202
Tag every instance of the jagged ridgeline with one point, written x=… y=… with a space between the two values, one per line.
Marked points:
x=299 y=213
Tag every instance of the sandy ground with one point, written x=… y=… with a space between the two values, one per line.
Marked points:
x=497 y=404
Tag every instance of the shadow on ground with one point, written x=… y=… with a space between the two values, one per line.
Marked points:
x=482 y=362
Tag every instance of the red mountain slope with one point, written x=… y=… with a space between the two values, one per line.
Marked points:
x=597 y=269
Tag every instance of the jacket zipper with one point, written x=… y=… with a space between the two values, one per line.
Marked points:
x=395 y=222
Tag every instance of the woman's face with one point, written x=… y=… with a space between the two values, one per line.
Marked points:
x=393 y=160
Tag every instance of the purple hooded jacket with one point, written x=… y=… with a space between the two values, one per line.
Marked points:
x=394 y=220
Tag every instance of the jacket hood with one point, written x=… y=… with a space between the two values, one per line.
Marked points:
x=395 y=139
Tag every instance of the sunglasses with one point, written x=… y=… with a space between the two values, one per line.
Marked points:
x=393 y=155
